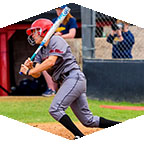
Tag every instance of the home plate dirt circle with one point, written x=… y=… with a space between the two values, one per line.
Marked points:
x=136 y=108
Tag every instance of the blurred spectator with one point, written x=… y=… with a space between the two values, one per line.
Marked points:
x=68 y=27
x=66 y=30
x=122 y=40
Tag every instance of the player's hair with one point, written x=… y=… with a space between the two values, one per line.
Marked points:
x=65 y=21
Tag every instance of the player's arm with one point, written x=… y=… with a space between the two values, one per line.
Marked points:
x=36 y=75
x=28 y=64
x=48 y=63
x=36 y=71
x=25 y=70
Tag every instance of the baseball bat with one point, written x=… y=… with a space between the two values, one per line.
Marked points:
x=59 y=20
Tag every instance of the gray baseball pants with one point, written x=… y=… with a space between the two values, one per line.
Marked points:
x=73 y=93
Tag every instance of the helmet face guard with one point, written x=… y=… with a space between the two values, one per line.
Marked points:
x=31 y=40
x=31 y=32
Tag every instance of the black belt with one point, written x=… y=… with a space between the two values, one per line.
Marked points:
x=63 y=76
x=67 y=73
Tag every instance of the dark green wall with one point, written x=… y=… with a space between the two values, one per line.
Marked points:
x=117 y=80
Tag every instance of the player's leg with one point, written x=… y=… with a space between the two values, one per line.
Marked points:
x=81 y=110
x=67 y=123
x=65 y=96
x=105 y=123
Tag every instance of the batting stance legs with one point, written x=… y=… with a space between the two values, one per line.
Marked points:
x=73 y=93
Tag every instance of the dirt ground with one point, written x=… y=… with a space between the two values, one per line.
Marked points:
x=52 y=127
x=58 y=129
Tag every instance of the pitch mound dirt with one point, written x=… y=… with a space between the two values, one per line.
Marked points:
x=58 y=129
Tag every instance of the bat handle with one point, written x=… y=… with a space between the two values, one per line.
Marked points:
x=33 y=56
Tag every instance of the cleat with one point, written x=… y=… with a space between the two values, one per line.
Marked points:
x=76 y=137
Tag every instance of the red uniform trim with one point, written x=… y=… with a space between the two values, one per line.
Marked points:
x=58 y=51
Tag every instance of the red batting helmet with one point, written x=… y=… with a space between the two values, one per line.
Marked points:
x=42 y=25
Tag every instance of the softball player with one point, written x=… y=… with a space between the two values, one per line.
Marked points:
x=57 y=59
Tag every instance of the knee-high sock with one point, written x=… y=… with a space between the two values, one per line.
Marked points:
x=67 y=122
x=105 y=123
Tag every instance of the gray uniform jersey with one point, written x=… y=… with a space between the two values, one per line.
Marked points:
x=65 y=62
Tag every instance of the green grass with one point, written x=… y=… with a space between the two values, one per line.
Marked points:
x=35 y=109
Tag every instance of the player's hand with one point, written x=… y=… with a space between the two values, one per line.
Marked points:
x=24 y=69
x=28 y=63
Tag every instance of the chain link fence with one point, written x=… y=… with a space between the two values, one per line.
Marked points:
x=103 y=49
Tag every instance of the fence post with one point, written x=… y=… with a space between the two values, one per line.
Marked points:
x=88 y=32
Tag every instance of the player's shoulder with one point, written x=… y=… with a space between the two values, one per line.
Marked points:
x=56 y=40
